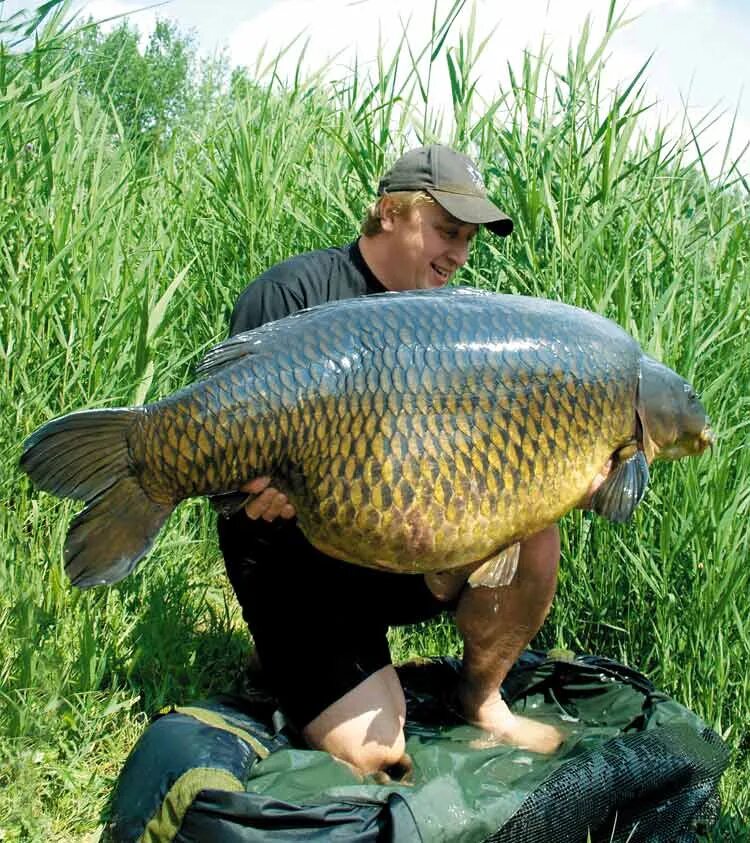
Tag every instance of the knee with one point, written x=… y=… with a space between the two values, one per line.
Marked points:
x=376 y=757
x=365 y=727
x=369 y=753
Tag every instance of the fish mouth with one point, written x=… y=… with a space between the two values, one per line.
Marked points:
x=689 y=445
x=706 y=439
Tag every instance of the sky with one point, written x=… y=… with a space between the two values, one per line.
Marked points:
x=699 y=47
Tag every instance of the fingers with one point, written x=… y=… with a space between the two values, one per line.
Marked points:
x=600 y=477
x=256 y=486
x=269 y=504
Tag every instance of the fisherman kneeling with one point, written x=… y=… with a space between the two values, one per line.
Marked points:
x=319 y=624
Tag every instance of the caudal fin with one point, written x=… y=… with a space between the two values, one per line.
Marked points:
x=85 y=456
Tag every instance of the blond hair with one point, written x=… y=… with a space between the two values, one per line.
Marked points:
x=404 y=203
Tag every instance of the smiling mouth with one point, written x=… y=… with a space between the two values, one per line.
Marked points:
x=443 y=273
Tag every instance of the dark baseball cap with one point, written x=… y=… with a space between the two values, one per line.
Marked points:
x=454 y=182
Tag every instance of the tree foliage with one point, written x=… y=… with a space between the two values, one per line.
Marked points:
x=148 y=92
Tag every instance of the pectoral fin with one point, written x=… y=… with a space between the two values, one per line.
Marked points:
x=498 y=570
x=623 y=490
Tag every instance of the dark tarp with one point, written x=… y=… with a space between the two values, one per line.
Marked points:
x=636 y=766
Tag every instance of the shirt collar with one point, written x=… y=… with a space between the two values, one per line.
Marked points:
x=373 y=285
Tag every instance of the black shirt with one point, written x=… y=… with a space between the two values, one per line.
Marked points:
x=306 y=280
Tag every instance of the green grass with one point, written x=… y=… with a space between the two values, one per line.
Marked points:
x=118 y=271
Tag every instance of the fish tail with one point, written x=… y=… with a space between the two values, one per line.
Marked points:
x=86 y=456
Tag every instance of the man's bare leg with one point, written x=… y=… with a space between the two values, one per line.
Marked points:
x=365 y=727
x=496 y=625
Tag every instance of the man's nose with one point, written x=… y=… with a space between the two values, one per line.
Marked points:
x=460 y=254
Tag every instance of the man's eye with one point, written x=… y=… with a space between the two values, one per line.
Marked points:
x=450 y=233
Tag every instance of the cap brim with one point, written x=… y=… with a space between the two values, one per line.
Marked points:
x=474 y=209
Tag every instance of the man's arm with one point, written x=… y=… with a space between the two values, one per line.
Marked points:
x=447 y=585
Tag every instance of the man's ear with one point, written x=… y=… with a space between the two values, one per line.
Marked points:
x=388 y=213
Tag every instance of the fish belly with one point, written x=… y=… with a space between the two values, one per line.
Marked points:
x=426 y=491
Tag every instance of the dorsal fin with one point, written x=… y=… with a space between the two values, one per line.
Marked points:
x=258 y=341
x=230 y=351
x=272 y=335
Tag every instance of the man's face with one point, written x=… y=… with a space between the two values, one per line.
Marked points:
x=425 y=248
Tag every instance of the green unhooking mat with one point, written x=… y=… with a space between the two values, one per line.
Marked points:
x=636 y=766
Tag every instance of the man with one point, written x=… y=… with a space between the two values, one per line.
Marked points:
x=319 y=625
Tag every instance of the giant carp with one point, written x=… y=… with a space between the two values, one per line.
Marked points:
x=414 y=432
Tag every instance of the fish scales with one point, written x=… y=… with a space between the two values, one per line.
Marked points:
x=486 y=423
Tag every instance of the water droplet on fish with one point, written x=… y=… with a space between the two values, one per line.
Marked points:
x=568 y=718
x=524 y=760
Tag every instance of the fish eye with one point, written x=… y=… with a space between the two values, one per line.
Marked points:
x=691 y=394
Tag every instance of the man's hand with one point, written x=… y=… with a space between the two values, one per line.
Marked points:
x=270 y=503
x=595 y=484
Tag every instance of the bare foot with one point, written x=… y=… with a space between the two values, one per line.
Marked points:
x=494 y=716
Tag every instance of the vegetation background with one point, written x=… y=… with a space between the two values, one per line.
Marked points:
x=140 y=191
